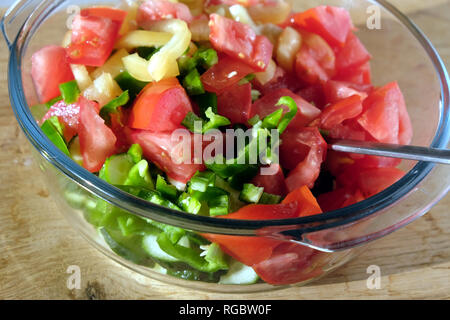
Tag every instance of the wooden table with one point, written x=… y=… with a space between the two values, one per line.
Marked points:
x=37 y=245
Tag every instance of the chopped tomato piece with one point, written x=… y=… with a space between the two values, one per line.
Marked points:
x=114 y=14
x=338 y=90
x=319 y=49
x=97 y=141
x=155 y=10
x=358 y=75
x=297 y=143
x=118 y=121
x=351 y=130
x=267 y=104
x=303 y=151
x=224 y=74
x=281 y=79
x=68 y=115
x=314 y=94
x=235 y=103
x=273 y=183
x=49 y=68
x=240 y=41
x=339 y=198
x=289 y=263
x=336 y=113
x=353 y=54
x=92 y=40
x=161 y=106
x=308 y=69
x=381 y=113
x=169 y=154
x=315 y=61
x=305 y=199
x=257 y=249
x=375 y=180
x=331 y=23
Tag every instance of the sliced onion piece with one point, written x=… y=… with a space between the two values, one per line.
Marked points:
x=163 y=63
x=266 y=75
x=103 y=89
x=240 y=14
x=289 y=43
x=143 y=38
x=137 y=67
x=113 y=65
x=275 y=12
x=81 y=76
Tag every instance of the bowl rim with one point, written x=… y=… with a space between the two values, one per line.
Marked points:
x=143 y=208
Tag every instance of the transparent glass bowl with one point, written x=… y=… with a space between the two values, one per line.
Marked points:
x=400 y=52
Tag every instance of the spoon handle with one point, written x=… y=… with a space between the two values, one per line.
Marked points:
x=392 y=150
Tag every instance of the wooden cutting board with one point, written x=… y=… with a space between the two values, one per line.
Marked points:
x=37 y=245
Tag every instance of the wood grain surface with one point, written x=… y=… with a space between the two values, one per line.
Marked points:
x=37 y=244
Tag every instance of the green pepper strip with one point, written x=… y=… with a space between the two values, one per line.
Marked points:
x=54 y=134
x=290 y=103
x=192 y=257
x=111 y=107
x=127 y=82
x=69 y=91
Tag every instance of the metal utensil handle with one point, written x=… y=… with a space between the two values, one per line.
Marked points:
x=392 y=150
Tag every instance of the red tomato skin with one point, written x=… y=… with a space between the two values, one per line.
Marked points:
x=92 y=40
x=235 y=103
x=160 y=107
x=357 y=75
x=281 y=79
x=118 y=121
x=155 y=10
x=381 y=113
x=257 y=249
x=306 y=201
x=308 y=69
x=267 y=104
x=375 y=180
x=114 y=14
x=331 y=23
x=97 y=141
x=319 y=49
x=274 y=183
x=337 y=90
x=314 y=94
x=225 y=73
x=297 y=143
x=68 y=115
x=240 y=41
x=303 y=151
x=289 y=263
x=49 y=68
x=353 y=54
x=333 y=200
x=159 y=148
x=262 y=53
x=335 y=114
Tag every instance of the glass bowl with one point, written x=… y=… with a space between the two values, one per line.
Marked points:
x=400 y=52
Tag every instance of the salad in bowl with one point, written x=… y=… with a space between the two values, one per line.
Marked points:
x=217 y=108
